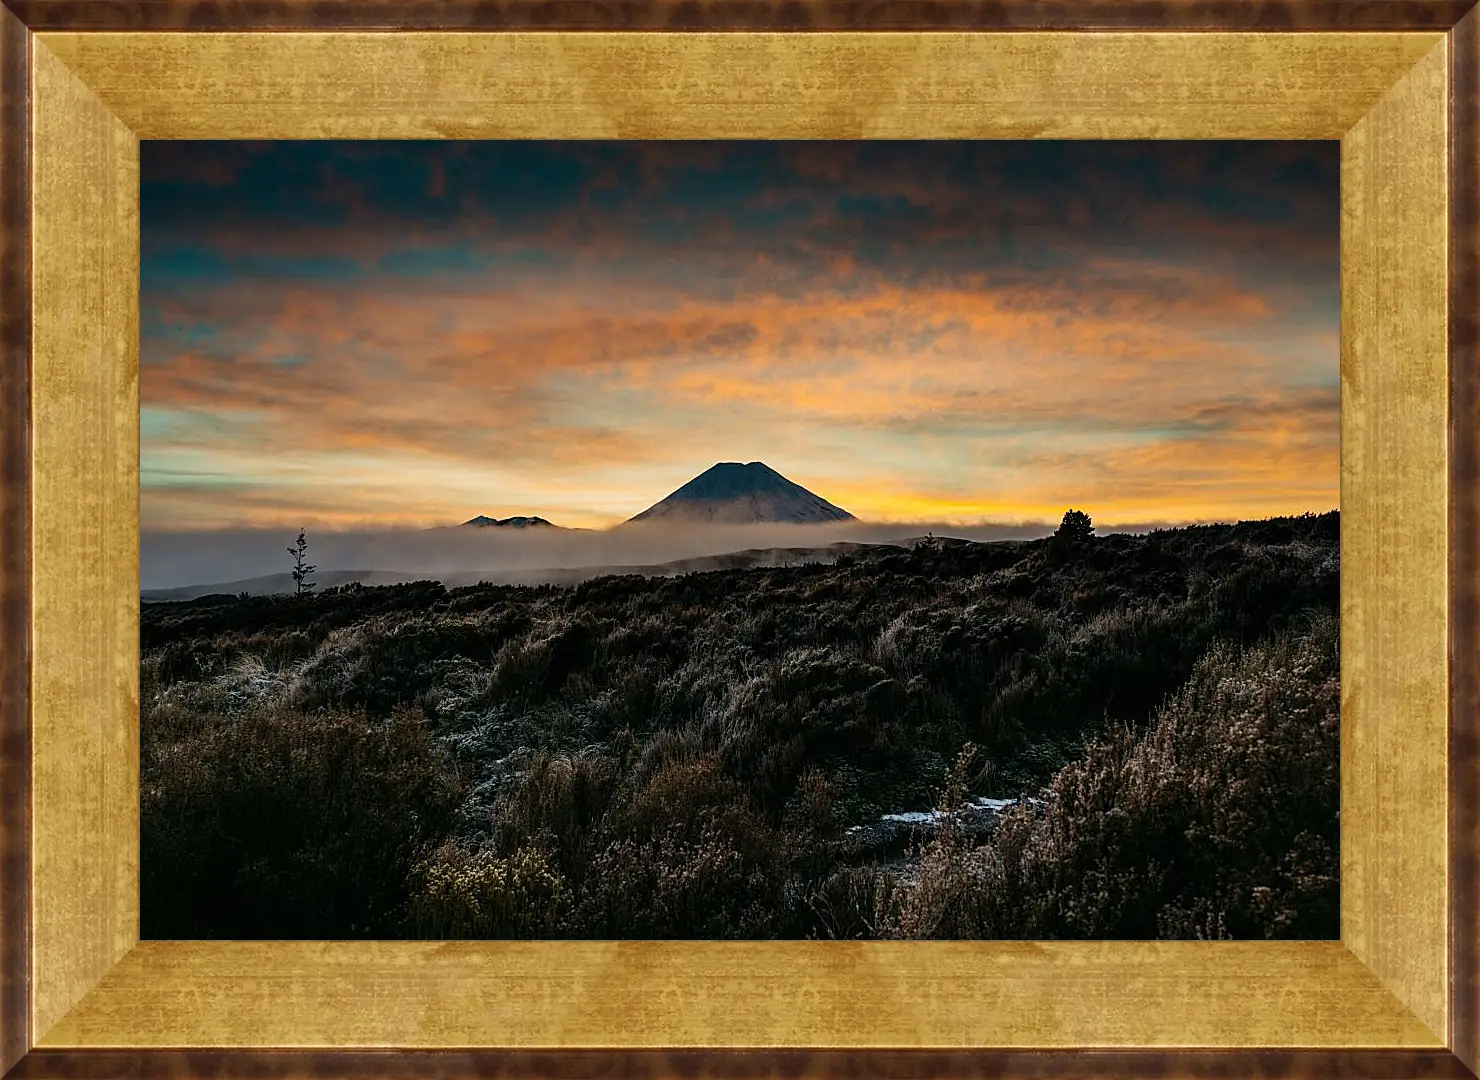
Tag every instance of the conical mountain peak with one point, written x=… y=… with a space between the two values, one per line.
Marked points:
x=735 y=493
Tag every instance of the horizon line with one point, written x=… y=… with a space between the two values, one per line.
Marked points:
x=851 y=522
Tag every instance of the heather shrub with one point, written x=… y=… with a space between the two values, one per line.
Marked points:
x=272 y=823
x=686 y=855
x=673 y=885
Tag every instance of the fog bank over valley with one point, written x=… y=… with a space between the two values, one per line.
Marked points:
x=174 y=559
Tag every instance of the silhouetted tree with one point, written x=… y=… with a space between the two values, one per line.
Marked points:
x=1075 y=526
x=301 y=568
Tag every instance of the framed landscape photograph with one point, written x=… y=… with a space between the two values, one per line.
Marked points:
x=652 y=539
x=424 y=655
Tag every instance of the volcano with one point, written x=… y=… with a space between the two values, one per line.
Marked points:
x=730 y=493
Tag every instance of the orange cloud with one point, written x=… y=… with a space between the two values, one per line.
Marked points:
x=521 y=392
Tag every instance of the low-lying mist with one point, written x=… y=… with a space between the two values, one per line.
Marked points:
x=175 y=559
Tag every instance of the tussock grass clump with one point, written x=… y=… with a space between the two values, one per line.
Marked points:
x=555 y=804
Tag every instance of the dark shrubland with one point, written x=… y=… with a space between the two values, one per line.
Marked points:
x=695 y=756
x=269 y=821
x=1218 y=821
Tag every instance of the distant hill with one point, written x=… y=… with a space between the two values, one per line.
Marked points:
x=749 y=559
x=277 y=584
x=484 y=522
x=730 y=493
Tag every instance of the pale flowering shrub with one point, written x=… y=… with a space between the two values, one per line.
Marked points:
x=461 y=894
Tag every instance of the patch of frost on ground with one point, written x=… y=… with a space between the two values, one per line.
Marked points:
x=934 y=817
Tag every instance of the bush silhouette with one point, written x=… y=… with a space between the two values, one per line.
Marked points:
x=1075 y=527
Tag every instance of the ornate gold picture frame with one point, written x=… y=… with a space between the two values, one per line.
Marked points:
x=1396 y=81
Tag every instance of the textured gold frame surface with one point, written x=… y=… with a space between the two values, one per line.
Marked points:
x=83 y=996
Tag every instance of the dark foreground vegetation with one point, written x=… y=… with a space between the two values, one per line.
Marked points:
x=706 y=756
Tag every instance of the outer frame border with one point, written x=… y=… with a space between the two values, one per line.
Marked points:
x=714 y=15
x=19 y=18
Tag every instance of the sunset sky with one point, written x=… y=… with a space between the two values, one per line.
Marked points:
x=384 y=334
